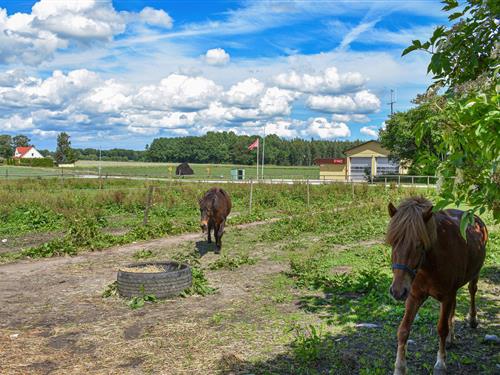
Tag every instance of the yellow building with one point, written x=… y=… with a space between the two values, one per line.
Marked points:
x=332 y=169
x=369 y=159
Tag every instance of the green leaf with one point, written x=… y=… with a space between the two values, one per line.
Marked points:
x=455 y=16
x=415 y=44
x=466 y=220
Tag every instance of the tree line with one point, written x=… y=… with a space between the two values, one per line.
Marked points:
x=230 y=148
x=213 y=147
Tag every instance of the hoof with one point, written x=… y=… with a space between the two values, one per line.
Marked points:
x=217 y=250
x=439 y=369
x=473 y=323
x=209 y=241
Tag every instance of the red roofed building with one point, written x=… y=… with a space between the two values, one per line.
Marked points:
x=27 y=153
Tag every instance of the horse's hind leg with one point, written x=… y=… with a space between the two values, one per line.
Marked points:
x=472 y=310
x=443 y=330
x=450 y=339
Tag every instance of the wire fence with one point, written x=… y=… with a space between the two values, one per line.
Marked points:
x=399 y=180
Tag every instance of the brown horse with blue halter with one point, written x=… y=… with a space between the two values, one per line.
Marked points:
x=431 y=258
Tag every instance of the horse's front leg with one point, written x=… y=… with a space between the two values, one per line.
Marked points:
x=210 y=228
x=443 y=330
x=450 y=339
x=413 y=303
x=218 y=235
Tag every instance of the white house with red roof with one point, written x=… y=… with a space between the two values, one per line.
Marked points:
x=29 y=152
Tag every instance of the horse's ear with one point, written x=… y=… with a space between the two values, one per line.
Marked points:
x=392 y=209
x=427 y=214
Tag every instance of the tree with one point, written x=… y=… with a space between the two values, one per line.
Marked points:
x=6 y=150
x=465 y=60
x=399 y=137
x=20 y=141
x=64 y=153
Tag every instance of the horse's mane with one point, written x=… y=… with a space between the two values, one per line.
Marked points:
x=408 y=225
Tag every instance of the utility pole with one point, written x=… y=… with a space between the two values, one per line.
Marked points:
x=391 y=103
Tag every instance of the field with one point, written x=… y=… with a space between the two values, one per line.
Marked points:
x=200 y=170
x=298 y=289
x=160 y=170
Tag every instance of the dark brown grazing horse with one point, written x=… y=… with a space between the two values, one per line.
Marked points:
x=215 y=207
x=431 y=258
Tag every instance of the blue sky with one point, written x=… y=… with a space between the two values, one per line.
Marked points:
x=120 y=73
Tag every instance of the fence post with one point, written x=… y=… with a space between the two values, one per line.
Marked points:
x=148 y=205
x=308 y=194
x=385 y=183
x=412 y=180
x=251 y=193
x=428 y=181
x=352 y=188
x=399 y=180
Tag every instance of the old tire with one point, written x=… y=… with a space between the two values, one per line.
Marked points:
x=176 y=278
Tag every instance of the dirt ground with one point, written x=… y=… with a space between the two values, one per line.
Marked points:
x=54 y=320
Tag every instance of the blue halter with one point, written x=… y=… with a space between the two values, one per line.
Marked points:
x=411 y=271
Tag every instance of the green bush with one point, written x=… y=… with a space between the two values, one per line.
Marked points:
x=40 y=162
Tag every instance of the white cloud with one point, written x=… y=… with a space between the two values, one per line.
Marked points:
x=156 y=17
x=371 y=131
x=45 y=133
x=328 y=82
x=333 y=104
x=217 y=57
x=361 y=102
x=31 y=38
x=350 y=118
x=245 y=93
x=320 y=127
x=15 y=123
x=276 y=102
x=179 y=92
x=283 y=128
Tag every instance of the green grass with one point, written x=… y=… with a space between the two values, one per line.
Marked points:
x=87 y=215
x=200 y=170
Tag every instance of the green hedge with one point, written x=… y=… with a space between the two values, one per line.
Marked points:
x=41 y=162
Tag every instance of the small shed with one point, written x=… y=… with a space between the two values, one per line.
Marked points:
x=184 y=170
x=237 y=174
x=332 y=169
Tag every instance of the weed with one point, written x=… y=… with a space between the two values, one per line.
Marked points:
x=200 y=284
x=111 y=290
x=138 y=302
x=307 y=345
x=143 y=254
x=225 y=262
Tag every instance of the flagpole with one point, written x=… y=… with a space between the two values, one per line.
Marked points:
x=258 y=150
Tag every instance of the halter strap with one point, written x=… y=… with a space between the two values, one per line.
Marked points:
x=404 y=267
x=411 y=271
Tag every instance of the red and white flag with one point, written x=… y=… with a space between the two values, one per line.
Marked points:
x=254 y=144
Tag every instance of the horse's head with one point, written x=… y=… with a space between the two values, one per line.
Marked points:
x=410 y=235
x=205 y=213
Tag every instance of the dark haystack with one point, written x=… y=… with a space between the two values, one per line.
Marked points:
x=183 y=170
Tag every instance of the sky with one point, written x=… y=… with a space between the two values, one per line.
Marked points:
x=121 y=73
